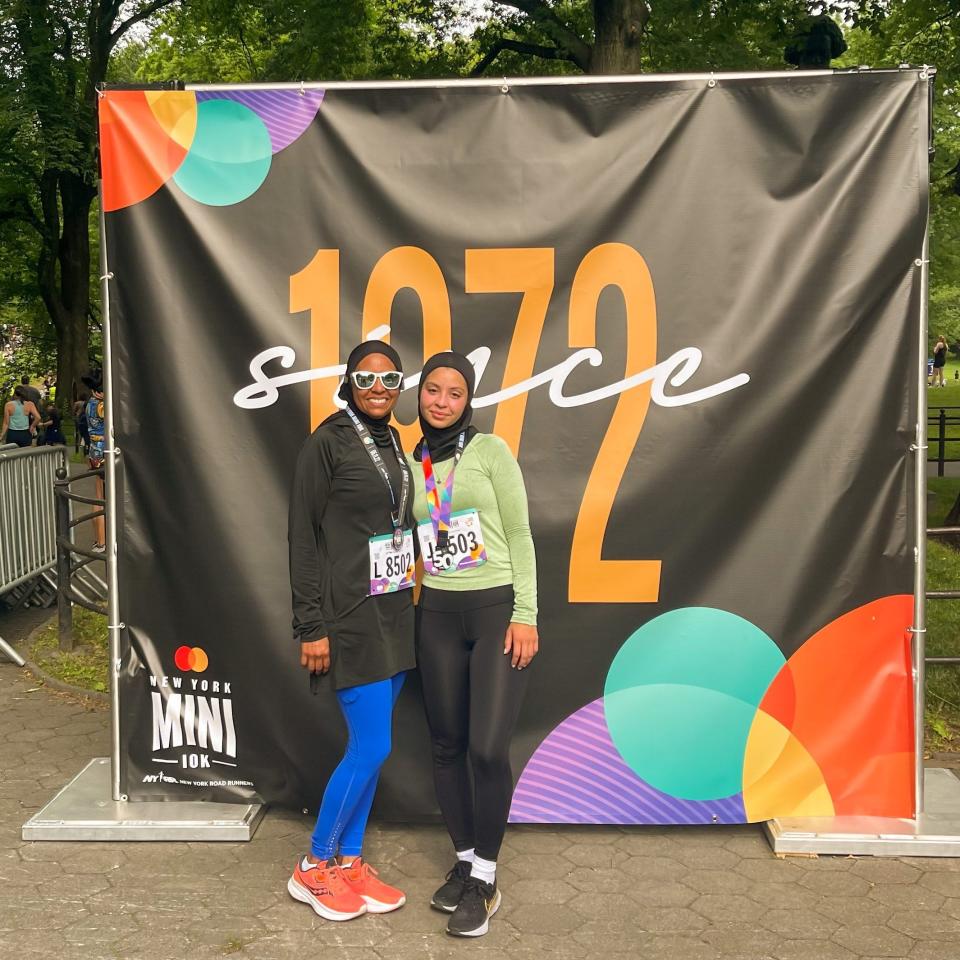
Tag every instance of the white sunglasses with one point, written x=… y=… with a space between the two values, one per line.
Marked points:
x=365 y=379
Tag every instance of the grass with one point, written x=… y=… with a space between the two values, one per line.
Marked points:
x=86 y=665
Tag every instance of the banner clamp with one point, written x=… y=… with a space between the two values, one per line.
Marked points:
x=106 y=276
x=505 y=87
x=919 y=262
x=916 y=629
x=116 y=626
x=914 y=448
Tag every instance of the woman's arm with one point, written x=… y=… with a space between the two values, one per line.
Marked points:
x=6 y=421
x=312 y=481
x=511 y=497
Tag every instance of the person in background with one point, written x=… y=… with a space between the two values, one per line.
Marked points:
x=95 y=453
x=52 y=434
x=81 y=435
x=939 y=361
x=31 y=392
x=20 y=419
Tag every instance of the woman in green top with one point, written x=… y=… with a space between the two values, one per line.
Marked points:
x=476 y=628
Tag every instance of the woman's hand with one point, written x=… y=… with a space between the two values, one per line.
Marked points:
x=521 y=643
x=315 y=655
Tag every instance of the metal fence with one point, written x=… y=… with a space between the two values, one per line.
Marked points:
x=937 y=442
x=28 y=527
x=28 y=524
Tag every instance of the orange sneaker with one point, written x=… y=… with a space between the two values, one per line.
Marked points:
x=377 y=895
x=324 y=888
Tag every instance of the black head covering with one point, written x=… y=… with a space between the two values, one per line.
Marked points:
x=378 y=426
x=442 y=441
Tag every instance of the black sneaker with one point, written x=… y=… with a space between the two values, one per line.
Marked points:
x=479 y=902
x=448 y=896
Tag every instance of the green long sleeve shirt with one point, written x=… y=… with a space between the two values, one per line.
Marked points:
x=488 y=479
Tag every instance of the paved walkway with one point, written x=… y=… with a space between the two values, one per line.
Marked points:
x=572 y=893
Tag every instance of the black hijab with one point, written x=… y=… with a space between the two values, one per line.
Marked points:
x=378 y=426
x=442 y=441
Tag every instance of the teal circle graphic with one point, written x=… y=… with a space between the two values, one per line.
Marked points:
x=681 y=695
x=230 y=155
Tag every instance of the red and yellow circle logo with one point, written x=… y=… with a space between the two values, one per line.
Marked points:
x=191 y=658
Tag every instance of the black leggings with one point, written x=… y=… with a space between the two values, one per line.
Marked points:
x=472 y=697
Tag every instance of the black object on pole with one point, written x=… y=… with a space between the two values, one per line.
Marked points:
x=64 y=607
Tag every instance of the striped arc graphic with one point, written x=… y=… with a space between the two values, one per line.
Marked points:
x=285 y=113
x=577 y=776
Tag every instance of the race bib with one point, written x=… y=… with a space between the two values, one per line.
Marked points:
x=465 y=547
x=391 y=569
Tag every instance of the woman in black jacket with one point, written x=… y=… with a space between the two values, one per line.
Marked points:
x=351 y=570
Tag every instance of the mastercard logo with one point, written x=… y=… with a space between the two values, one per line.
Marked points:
x=191 y=658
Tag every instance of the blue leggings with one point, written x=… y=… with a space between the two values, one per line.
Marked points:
x=368 y=710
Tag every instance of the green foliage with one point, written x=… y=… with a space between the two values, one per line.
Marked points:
x=926 y=32
x=211 y=41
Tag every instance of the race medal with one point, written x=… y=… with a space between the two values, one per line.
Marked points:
x=391 y=568
x=464 y=548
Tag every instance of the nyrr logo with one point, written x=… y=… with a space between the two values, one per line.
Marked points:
x=192 y=712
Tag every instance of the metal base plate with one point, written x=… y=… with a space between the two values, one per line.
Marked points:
x=936 y=833
x=83 y=810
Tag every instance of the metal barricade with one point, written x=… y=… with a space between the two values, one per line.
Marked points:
x=28 y=534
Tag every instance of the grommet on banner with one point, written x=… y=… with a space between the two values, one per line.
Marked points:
x=506 y=86
x=919 y=262
x=711 y=83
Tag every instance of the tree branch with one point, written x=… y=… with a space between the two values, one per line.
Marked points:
x=518 y=46
x=18 y=209
x=546 y=18
x=142 y=14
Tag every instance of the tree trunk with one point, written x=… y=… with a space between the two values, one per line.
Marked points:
x=618 y=40
x=74 y=255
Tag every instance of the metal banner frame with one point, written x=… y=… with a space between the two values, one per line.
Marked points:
x=92 y=806
x=935 y=827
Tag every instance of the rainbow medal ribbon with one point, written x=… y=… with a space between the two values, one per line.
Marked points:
x=449 y=541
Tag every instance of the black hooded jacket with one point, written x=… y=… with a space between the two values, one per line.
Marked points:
x=339 y=501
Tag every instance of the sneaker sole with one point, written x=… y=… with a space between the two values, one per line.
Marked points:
x=299 y=892
x=482 y=929
x=439 y=906
x=378 y=906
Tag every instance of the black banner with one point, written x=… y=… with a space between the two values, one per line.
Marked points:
x=693 y=313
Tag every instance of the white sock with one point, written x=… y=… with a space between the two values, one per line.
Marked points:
x=485 y=870
x=466 y=855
